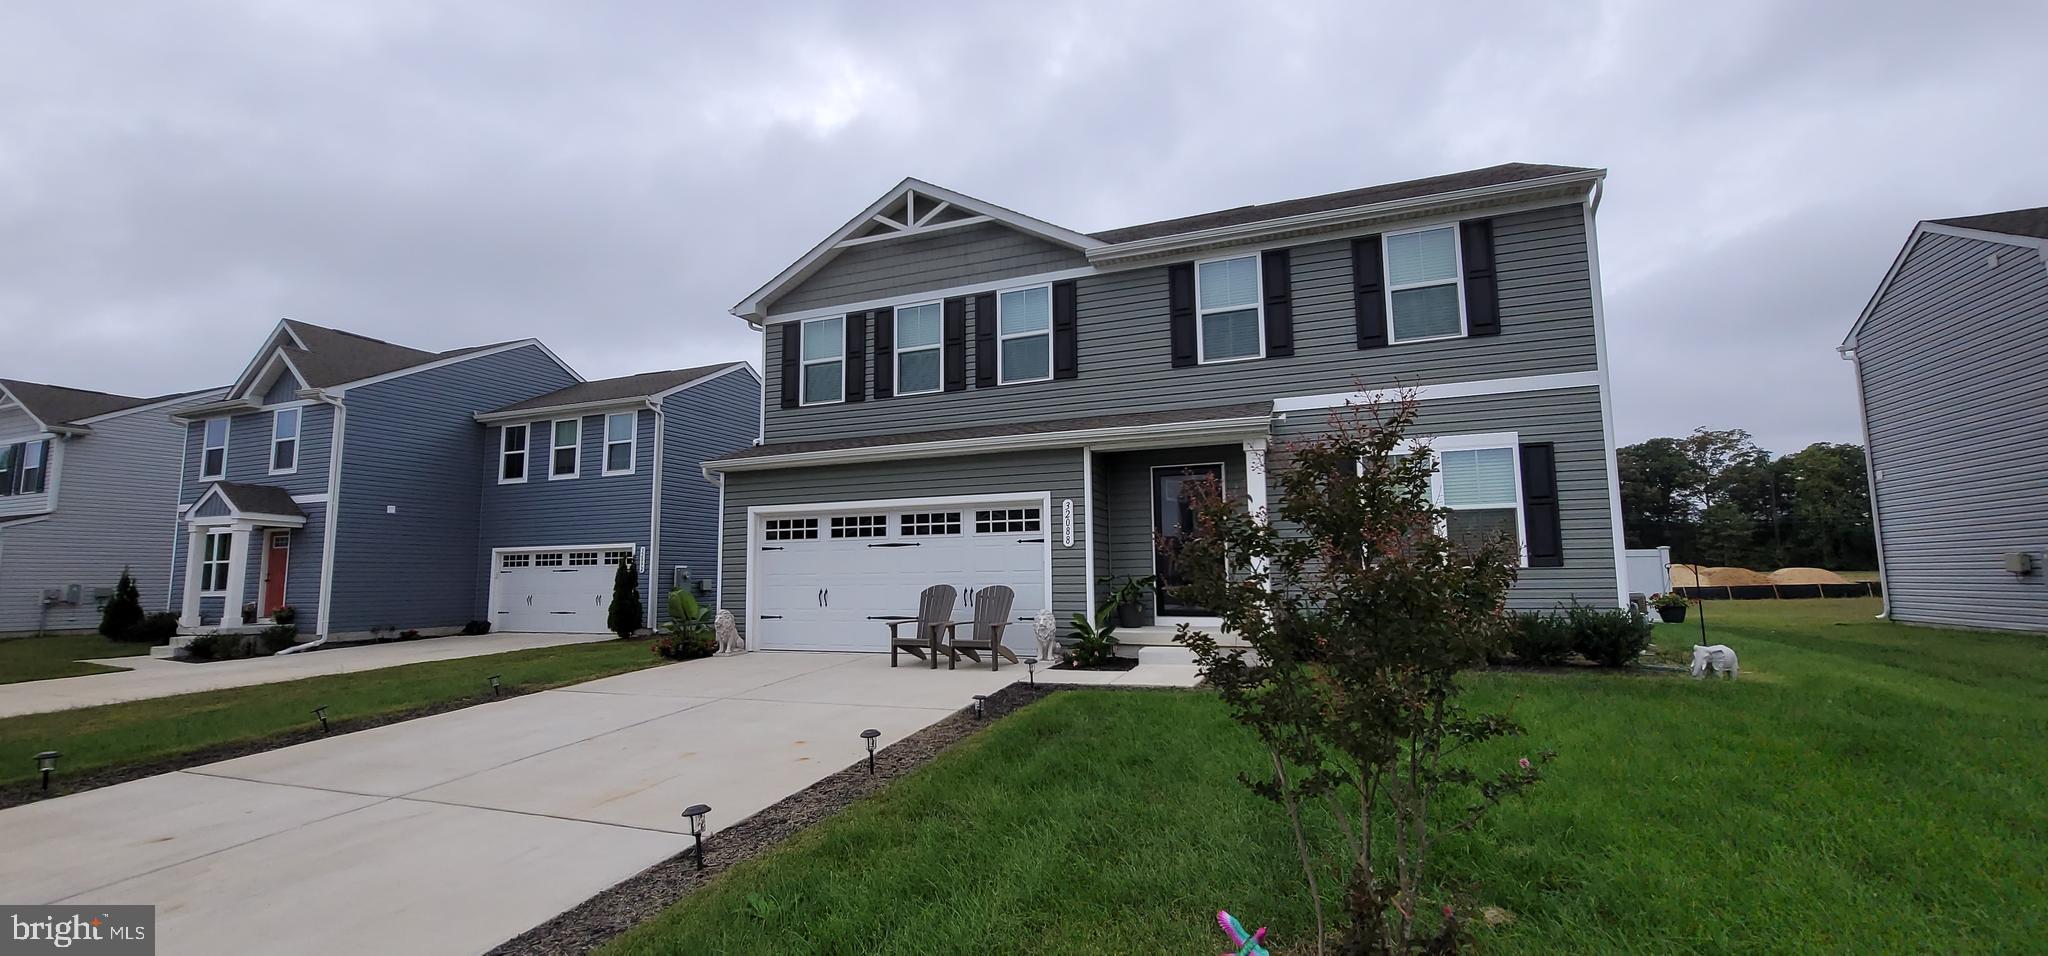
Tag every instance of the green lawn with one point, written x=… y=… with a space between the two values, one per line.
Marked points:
x=1865 y=787
x=33 y=657
x=148 y=730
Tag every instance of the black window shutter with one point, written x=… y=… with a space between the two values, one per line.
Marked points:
x=1482 y=297
x=857 y=357
x=885 y=352
x=985 y=340
x=1180 y=313
x=792 y=363
x=1279 y=283
x=1368 y=292
x=1066 y=353
x=1542 y=526
x=956 y=344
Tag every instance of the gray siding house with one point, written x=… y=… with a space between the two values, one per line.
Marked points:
x=1950 y=374
x=960 y=393
x=88 y=482
x=370 y=486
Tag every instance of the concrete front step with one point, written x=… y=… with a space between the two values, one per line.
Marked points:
x=1148 y=656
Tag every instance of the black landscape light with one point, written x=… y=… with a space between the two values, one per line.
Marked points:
x=980 y=706
x=47 y=763
x=696 y=814
x=869 y=735
x=321 y=712
x=1031 y=670
x=495 y=691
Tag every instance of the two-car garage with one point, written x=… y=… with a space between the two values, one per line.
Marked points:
x=829 y=577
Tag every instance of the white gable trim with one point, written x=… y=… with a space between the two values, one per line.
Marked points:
x=195 y=398
x=746 y=367
x=18 y=403
x=1899 y=262
x=260 y=360
x=754 y=307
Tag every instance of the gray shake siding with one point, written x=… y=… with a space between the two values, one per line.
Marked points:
x=408 y=528
x=1055 y=471
x=1952 y=369
x=967 y=254
x=115 y=508
x=591 y=509
x=703 y=422
x=1125 y=357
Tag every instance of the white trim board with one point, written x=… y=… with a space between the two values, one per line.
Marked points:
x=1131 y=436
x=1471 y=389
x=1609 y=448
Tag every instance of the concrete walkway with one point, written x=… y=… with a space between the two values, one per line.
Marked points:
x=153 y=677
x=453 y=833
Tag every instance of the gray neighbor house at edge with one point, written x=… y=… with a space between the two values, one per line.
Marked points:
x=1952 y=379
x=960 y=393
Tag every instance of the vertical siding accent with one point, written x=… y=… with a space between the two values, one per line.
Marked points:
x=962 y=256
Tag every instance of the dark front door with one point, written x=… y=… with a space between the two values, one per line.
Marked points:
x=1172 y=518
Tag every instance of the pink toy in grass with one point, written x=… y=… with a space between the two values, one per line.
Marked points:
x=1246 y=945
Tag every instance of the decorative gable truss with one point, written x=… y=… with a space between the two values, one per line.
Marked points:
x=912 y=214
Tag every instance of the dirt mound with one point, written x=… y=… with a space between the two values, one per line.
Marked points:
x=1734 y=577
x=1806 y=576
x=1686 y=575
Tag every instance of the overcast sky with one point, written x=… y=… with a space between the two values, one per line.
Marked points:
x=175 y=178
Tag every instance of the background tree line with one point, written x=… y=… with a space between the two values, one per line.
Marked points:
x=1717 y=499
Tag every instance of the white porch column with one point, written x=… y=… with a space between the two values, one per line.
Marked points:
x=195 y=551
x=1255 y=487
x=238 y=574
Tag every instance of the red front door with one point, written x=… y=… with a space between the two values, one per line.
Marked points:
x=277 y=560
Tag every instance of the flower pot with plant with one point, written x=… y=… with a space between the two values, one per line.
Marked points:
x=285 y=614
x=689 y=632
x=249 y=613
x=1128 y=600
x=1670 y=606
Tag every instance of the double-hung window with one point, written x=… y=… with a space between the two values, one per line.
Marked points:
x=512 y=453
x=567 y=448
x=213 y=453
x=1229 y=321
x=23 y=468
x=284 y=441
x=1024 y=331
x=1425 y=294
x=917 y=349
x=620 y=442
x=824 y=360
x=1477 y=482
x=213 y=562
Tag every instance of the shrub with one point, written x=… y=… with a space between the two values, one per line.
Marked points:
x=285 y=615
x=685 y=647
x=155 y=628
x=221 y=647
x=626 y=613
x=277 y=637
x=474 y=628
x=409 y=634
x=1608 y=637
x=1544 y=640
x=1094 y=642
x=123 y=611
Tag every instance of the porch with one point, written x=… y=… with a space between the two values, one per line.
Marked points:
x=231 y=531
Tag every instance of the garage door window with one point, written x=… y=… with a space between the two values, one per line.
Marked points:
x=790 y=529
x=616 y=557
x=548 y=559
x=1006 y=521
x=860 y=526
x=510 y=561
x=929 y=524
x=583 y=559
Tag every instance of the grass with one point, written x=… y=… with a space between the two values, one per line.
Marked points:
x=41 y=657
x=113 y=735
x=1865 y=787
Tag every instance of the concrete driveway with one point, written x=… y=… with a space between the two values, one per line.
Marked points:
x=453 y=833
x=154 y=677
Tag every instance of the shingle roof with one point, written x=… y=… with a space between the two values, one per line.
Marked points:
x=1369 y=195
x=1047 y=426
x=260 y=499
x=332 y=356
x=2017 y=222
x=624 y=387
x=56 y=405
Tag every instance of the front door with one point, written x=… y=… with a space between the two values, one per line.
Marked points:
x=277 y=563
x=1173 y=517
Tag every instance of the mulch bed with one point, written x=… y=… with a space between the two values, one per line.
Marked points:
x=1115 y=664
x=639 y=898
x=62 y=783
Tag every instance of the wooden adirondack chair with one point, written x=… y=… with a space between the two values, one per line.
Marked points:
x=991 y=616
x=934 y=614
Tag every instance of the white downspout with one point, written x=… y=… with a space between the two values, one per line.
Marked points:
x=332 y=521
x=1884 y=583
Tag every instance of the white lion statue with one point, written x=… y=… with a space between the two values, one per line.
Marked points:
x=1714 y=657
x=729 y=640
x=1044 y=627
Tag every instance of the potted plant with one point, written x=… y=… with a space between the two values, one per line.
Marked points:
x=1128 y=599
x=285 y=614
x=1094 y=642
x=689 y=633
x=1670 y=606
x=249 y=613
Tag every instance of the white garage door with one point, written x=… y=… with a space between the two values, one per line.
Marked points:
x=828 y=580
x=555 y=590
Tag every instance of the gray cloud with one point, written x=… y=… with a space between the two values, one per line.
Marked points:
x=174 y=180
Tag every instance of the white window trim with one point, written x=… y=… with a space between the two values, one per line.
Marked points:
x=226 y=434
x=1457 y=276
x=554 y=446
x=45 y=450
x=803 y=377
x=206 y=564
x=632 y=440
x=1002 y=376
x=939 y=347
x=526 y=463
x=298 y=430
x=1258 y=309
x=1477 y=442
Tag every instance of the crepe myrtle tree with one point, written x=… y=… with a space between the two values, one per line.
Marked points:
x=1358 y=616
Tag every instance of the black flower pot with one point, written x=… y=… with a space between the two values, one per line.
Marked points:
x=1672 y=615
x=1130 y=614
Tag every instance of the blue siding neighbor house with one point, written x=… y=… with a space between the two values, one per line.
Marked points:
x=373 y=487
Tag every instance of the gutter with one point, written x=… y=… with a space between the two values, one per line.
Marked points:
x=1031 y=441
x=545 y=411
